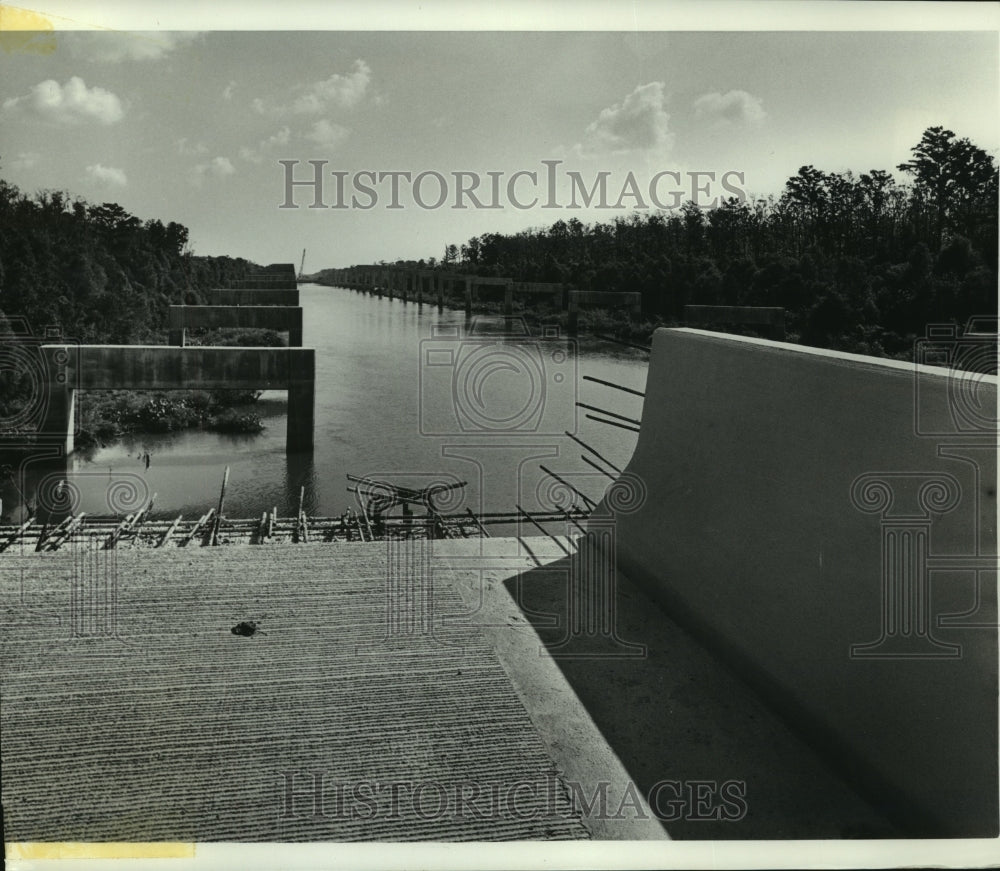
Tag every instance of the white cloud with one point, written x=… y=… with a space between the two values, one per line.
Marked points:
x=71 y=103
x=227 y=92
x=255 y=154
x=638 y=123
x=733 y=107
x=190 y=149
x=339 y=91
x=217 y=167
x=117 y=46
x=106 y=176
x=327 y=134
x=25 y=160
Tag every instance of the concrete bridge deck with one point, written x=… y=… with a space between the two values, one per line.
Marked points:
x=181 y=730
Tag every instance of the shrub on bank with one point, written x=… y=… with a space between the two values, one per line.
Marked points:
x=234 y=421
x=252 y=338
x=105 y=416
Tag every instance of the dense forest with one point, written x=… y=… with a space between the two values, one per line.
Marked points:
x=96 y=271
x=860 y=263
x=102 y=275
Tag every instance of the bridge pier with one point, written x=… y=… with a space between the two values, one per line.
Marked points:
x=162 y=367
x=301 y=417
x=281 y=318
x=58 y=425
x=227 y=296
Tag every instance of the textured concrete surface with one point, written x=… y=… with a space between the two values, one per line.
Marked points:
x=480 y=569
x=801 y=504
x=376 y=667
x=181 y=730
x=660 y=713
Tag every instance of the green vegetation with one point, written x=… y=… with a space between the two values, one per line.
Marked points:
x=107 y=415
x=102 y=275
x=860 y=263
x=99 y=273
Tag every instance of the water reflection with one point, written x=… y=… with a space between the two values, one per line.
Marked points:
x=371 y=418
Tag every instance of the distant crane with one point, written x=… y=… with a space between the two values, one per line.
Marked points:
x=302 y=265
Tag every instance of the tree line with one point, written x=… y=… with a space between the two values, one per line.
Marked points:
x=98 y=272
x=102 y=276
x=860 y=262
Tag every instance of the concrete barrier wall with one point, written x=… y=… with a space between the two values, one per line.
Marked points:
x=762 y=534
x=538 y=288
x=265 y=282
x=272 y=317
x=251 y=296
x=286 y=270
x=162 y=367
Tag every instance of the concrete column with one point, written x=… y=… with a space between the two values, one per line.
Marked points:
x=468 y=296
x=420 y=289
x=574 y=312
x=175 y=327
x=635 y=309
x=508 y=299
x=439 y=281
x=58 y=425
x=301 y=417
x=301 y=402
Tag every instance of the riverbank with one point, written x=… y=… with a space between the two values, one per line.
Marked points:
x=368 y=421
x=595 y=322
x=105 y=416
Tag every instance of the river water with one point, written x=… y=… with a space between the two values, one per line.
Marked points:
x=404 y=393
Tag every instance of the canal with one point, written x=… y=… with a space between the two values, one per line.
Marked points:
x=404 y=393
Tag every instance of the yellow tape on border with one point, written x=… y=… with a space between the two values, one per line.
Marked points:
x=25 y=32
x=100 y=850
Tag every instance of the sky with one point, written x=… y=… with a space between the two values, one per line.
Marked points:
x=190 y=125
